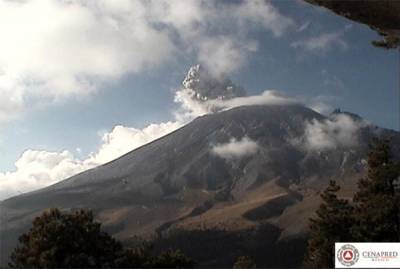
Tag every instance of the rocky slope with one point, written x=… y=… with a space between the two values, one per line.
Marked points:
x=180 y=187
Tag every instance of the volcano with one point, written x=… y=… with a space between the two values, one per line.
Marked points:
x=243 y=181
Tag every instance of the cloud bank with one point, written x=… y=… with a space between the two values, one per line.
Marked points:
x=236 y=148
x=37 y=169
x=123 y=139
x=92 y=42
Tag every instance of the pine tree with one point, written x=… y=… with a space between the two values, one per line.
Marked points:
x=331 y=224
x=377 y=205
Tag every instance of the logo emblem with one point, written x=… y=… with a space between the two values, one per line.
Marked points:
x=348 y=255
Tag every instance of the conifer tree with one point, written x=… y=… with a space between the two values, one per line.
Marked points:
x=330 y=224
x=376 y=202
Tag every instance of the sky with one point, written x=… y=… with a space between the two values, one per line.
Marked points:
x=83 y=82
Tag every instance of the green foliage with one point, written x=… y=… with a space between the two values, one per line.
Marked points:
x=171 y=259
x=376 y=202
x=75 y=240
x=388 y=42
x=244 y=262
x=373 y=216
x=141 y=257
x=329 y=225
x=65 y=240
x=135 y=257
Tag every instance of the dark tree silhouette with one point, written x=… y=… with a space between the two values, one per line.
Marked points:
x=376 y=202
x=372 y=217
x=75 y=240
x=65 y=240
x=330 y=224
x=388 y=42
x=244 y=262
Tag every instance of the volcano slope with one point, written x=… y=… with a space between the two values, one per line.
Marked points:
x=216 y=204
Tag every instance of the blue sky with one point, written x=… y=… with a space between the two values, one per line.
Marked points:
x=292 y=47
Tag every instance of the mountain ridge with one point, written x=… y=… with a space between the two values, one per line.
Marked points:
x=178 y=183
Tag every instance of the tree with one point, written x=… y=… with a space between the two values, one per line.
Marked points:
x=329 y=225
x=75 y=240
x=388 y=41
x=244 y=262
x=65 y=240
x=382 y=16
x=140 y=257
x=376 y=202
x=373 y=216
x=171 y=259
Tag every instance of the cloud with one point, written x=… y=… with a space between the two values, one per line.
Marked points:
x=224 y=54
x=191 y=107
x=85 y=44
x=203 y=93
x=236 y=148
x=37 y=169
x=268 y=97
x=123 y=139
x=89 y=43
x=322 y=43
x=322 y=104
x=322 y=107
x=338 y=131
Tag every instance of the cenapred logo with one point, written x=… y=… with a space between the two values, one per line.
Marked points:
x=348 y=255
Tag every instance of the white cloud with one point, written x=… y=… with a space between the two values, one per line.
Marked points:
x=122 y=140
x=193 y=108
x=322 y=108
x=338 y=131
x=236 y=148
x=268 y=97
x=322 y=104
x=263 y=13
x=322 y=43
x=53 y=50
x=88 y=43
x=224 y=54
x=37 y=169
